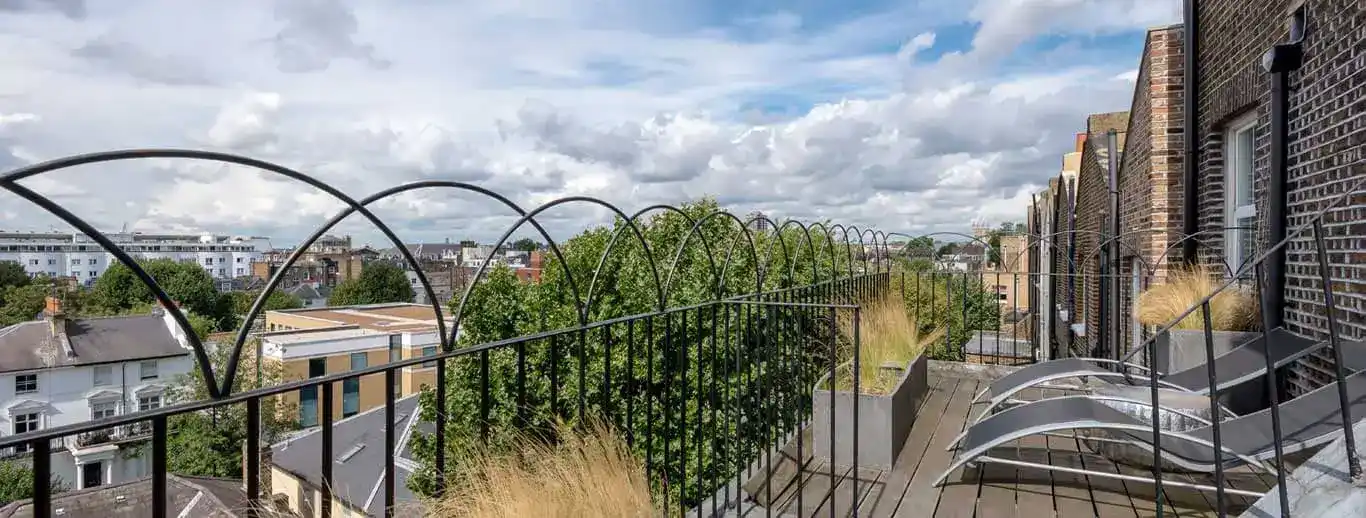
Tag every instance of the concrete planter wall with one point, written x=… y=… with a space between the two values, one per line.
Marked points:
x=884 y=420
x=1181 y=349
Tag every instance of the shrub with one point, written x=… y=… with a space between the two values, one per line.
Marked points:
x=1232 y=309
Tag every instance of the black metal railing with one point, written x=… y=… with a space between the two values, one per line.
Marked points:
x=700 y=388
x=1311 y=231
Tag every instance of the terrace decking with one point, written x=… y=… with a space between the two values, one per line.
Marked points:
x=991 y=491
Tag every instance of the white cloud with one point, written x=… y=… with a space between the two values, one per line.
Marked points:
x=613 y=100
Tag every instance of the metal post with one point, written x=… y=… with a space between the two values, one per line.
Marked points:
x=1112 y=143
x=1280 y=61
x=1190 y=105
x=1329 y=310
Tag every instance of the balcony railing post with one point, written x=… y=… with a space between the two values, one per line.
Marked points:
x=253 y=457
x=1215 y=415
x=42 y=478
x=1273 y=394
x=1330 y=311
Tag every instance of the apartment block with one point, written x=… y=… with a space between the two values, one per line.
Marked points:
x=313 y=342
x=76 y=256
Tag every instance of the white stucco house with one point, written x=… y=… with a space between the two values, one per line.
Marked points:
x=57 y=371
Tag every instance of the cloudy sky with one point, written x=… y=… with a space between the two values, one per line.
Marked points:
x=907 y=116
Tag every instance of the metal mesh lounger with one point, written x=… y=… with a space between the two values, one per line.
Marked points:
x=1244 y=363
x=1306 y=421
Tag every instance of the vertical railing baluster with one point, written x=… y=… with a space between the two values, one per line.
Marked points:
x=1157 y=432
x=701 y=426
x=42 y=476
x=630 y=383
x=607 y=373
x=582 y=355
x=555 y=375
x=1339 y=371
x=1273 y=390
x=391 y=435
x=159 y=454
x=253 y=454
x=326 y=462
x=834 y=385
x=521 y=384
x=857 y=361
x=1216 y=416
x=485 y=399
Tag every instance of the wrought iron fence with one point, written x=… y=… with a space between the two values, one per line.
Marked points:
x=700 y=389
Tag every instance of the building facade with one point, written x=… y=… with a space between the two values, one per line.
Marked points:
x=58 y=371
x=1236 y=204
x=313 y=342
x=79 y=257
x=1325 y=114
x=327 y=262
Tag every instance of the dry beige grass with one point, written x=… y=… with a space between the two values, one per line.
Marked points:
x=888 y=335
x=588 y=474
x=1231 y=310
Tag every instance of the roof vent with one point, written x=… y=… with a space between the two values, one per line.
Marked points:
x=346 y=455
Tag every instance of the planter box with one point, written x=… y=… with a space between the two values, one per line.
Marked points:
x=884 y=420
x=1181 y=349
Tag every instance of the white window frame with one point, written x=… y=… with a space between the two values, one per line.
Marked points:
x=109 y=377
x=96 y=407
x=37 y=384
x=149 y=402
x=142 y=370
x=1233 y=156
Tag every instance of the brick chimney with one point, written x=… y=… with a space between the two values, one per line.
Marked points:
x=1080 y=141
x=55 y=316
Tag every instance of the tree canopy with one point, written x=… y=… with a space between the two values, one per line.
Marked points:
x=16 y=482
x=12 y=274
x=208 y=443
x=277 y=300
x=379 y=282
x=119 y=291
x=525 y=244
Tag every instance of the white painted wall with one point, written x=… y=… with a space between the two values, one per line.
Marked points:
x=67 y=395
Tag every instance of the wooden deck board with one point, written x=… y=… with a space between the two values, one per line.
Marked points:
x=883 y=500
x=921 y=495
x=956 y=499
x=991 y=490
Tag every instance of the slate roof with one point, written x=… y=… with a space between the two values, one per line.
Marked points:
x=358 y=469
x=185 y=496
x=304 y=291
x=31 y=345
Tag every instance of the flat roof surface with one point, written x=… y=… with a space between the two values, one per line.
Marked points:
x=305 y=336
x=380 y=317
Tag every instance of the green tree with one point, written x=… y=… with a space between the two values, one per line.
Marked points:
x=118 y=291
x=209 y=442
x=13 y=274
x=22 y=303
x=501 y=308
x=525 y=244
x=378 y=283
x=277 y=300
x=16 y=482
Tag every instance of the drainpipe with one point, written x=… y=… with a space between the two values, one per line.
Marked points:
x=1190 y=101
x=1112 y=144
x=1280 y=61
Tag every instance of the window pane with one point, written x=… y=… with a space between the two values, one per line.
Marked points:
x=149 y=370
x=317 y=367
x=429 y=351
x=308 y=406
x=104 y=375
x=1246 y=149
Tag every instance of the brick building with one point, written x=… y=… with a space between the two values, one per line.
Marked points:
x=1093 y=227
x=1326 y=162
x=1326 y=147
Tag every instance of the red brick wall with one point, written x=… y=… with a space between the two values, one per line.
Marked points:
x=1327 y=144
